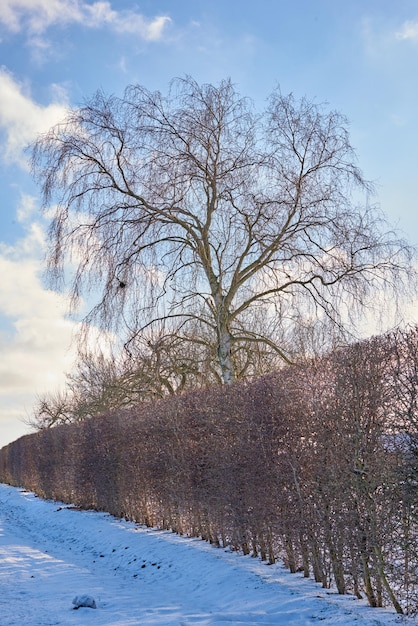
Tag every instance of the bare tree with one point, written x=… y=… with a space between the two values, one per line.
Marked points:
x=156 y=366
x=51 y=409
x=193 y=208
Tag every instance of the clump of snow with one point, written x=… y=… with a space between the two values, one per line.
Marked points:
x=86 y=601
x=141 y=576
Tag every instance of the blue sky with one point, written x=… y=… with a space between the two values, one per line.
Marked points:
x=359 y=56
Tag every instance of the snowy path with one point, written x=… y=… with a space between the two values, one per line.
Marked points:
x=50 y=553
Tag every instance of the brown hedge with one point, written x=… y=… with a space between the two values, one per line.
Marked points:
x=304 y=465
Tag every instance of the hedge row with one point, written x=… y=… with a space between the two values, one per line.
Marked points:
x=314 y=465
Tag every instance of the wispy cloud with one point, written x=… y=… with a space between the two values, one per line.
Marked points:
x=409 y=30
x=22 y=119
x=101 y=13
x=36 y=16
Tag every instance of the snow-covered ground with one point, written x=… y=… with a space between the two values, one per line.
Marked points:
x=50 y=553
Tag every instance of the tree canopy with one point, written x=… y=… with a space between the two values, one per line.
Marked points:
x=193 y=215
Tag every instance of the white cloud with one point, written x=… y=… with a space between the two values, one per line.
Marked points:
x=36 y=16
x=36 y=336
x=37 y=339
x=27 y=208
x=383 y=41
x=100 y=13
x=22 y=119
x=409 y=30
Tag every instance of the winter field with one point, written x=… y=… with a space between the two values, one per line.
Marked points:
x=50 y=553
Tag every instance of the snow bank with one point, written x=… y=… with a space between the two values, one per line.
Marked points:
x=51 y=553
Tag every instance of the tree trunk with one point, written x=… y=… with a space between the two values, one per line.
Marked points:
x=290 y=553
x=304 y=549
x=317 y=562
x=225 y=357
x=368 y=581
x=386 y=584
x=224 y=338
x=335 y=557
